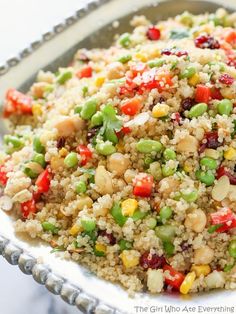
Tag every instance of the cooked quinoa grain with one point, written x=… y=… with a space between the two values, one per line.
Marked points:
x=125 y=161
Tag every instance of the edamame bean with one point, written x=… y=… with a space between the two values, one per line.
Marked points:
x=14 y=143
x=189 y=196
x=30 y=173
x=40 y=159
x=166 y=233
x=37 y=145
x=169 y=154
x=47 y=226
x=125 y=59
x=209 y=163
x=97 y=119
x=89 y=108
x=71 y=160
x=151 y=222
x=197 y=110
x=167 y=171
x=125 y=245
x=80 y=187
x=139 y=215
x=205 y=177
x=169 y=248
x=105 y=148
x=224 y=106
x=165 y=213
x=188 y=72
x=125 y=40
x=148 y=146
x=63 y=77
x=156 y=63
x=148 y=160
x=88 y=224
x=232 y=248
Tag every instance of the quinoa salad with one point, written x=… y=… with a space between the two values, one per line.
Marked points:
x=125 y=161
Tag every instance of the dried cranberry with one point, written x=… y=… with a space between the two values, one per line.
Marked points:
x=187 y=103
x=111 y=239
x=91 y=133
x=216 y=94
x=206 y=41
x=153 y=33
x=153 y=261
x=181 y=53
x=61 y=142
x=222 y=171
x=226 y=79
x=212 y=140
x=178 y=53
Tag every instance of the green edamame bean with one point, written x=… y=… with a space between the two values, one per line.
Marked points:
x=125 y=40
x=209 y=163
x=232 y=248
x=188 y=72
x=125 y=59
x=80 y=187
x=224 y=106
x=37 y=145
x=30 y=173
x=205 y=177
x=156 y=63
x=125 y=245
x=89 y=108
x=198 y=110
x=14 y=142
x=63 y=77
x=169 y=154
x=165 y=213
x=71 y=160
x=139 y=215
x=169 y=248
x=97 y=119
x=88 y=224
x=47 y=226
x=40 y=159
x=189 y=196
x=151 y=222
x=148 y=146
x=105 y=148
x=166 y=233
x=148 y=160
x=167 y=171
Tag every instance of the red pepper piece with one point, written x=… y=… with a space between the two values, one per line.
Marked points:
x=17 y=103
x=177 y=277
x=28 y=208
x=143 y=184
x=202 y=94
x=43 y=182
x=84 y=72
x=85 y=153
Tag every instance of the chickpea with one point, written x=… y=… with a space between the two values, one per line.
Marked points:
x=38 y=89
x=196 y=220
x=203 y=255
x=69 y=125
x=103 y=181
x=115 y=70
x=129 y=175
x=168 y=185
x=117 y=163
x=188 y=144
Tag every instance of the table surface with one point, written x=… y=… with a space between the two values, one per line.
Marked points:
x=22 y=21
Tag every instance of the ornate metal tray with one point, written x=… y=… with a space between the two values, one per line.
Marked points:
x=91 y=27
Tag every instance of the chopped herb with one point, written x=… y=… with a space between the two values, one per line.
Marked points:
x=212 y=229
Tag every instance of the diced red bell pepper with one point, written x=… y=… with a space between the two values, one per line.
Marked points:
x=216 y=94
x=223 y=171
x=131 y=107
x=17 y=103
x=230 y=37
x=124 y=130
x=203 y=94
x=84 y=72
x=28 y=208
x=176 y=277
x=138 y=68
x=43 y=182
x=224 y=217
x=143 y=184
x=3 y=176
x=152 y=80
x=85 y=153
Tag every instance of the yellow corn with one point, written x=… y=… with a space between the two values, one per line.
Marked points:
x=56 y=163
x=188 y=166
x=160 y=110
x=230 y=154
x=129 y=206
x=227 y=92
x=194 y=80
x=100 y=247
x=63 y=152
x=187 y=283
x=37 y=110
x=75 y=229
x=141 y=56
x=99 y=81
x=201 y=270
x=129 y=259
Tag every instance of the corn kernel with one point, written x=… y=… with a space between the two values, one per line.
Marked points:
x=99 y=81
x=188 y=166
x=129 y=258
x=141 y=56
x=129 y=206
x=100 y=247
x=37 y=110
x=230 y=154
x=63 y=152
x=75 y=229
x=194 y=80
x=187 y=283
x=56 y=163
x=160 y=110
x=201 y=270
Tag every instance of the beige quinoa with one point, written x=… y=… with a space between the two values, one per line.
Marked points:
x=125 y=160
